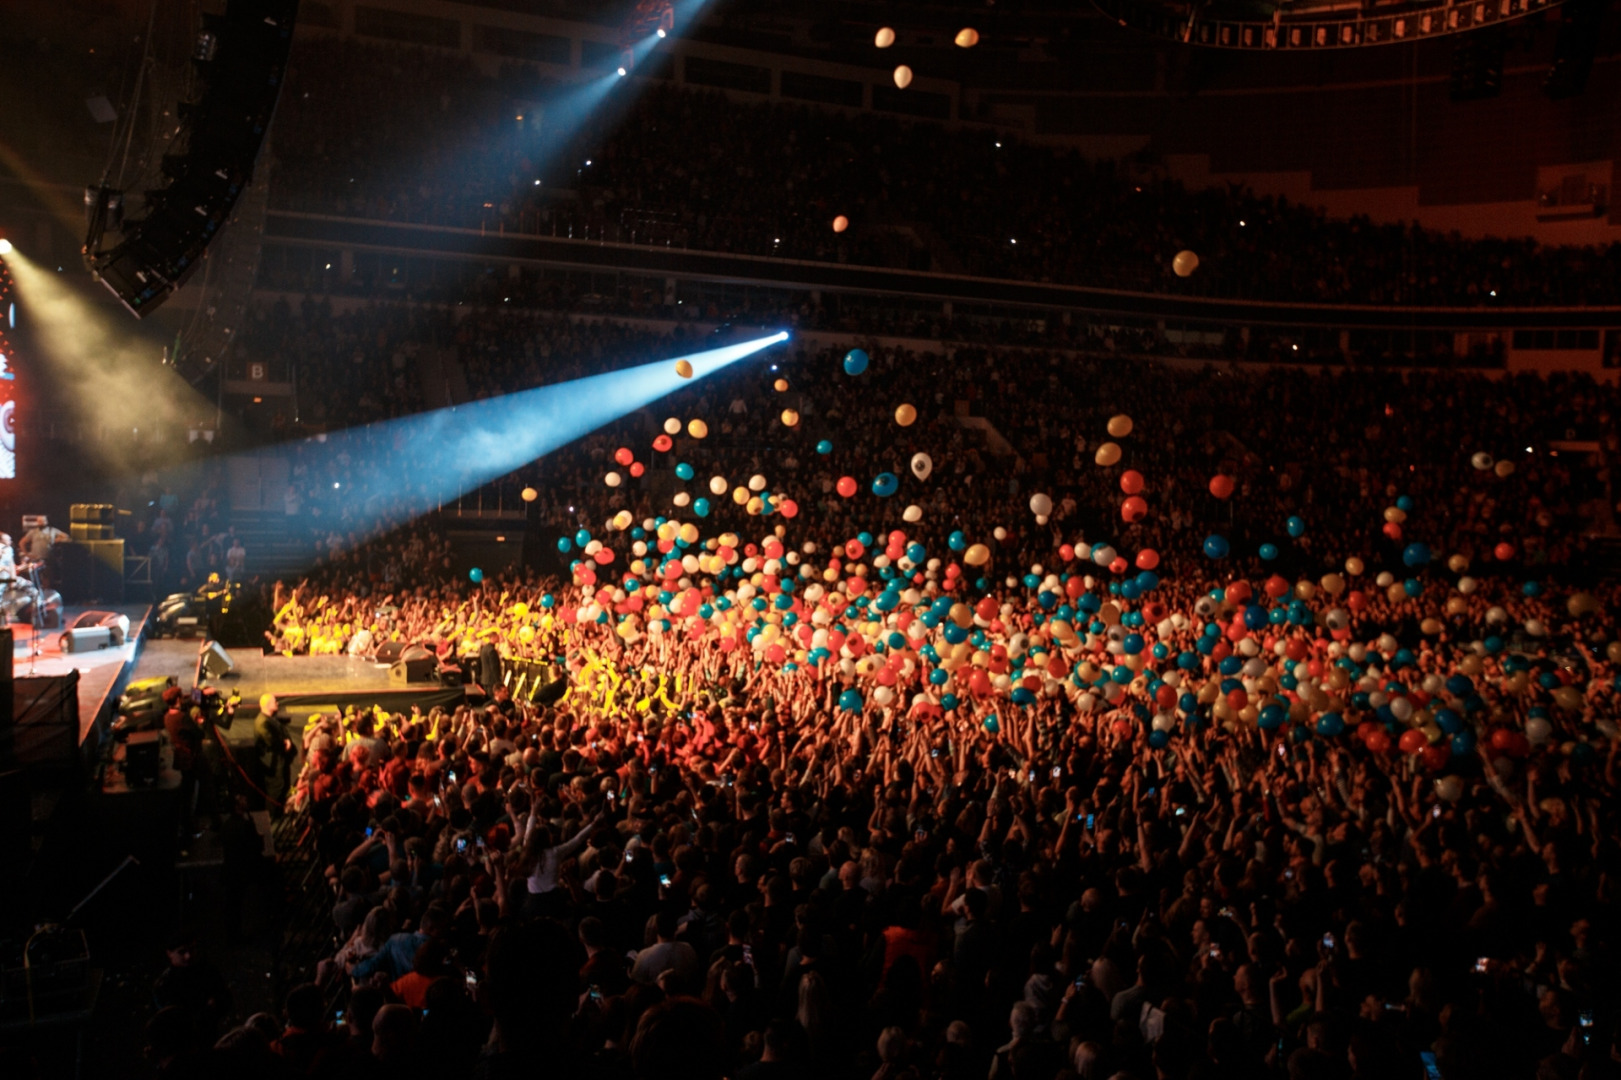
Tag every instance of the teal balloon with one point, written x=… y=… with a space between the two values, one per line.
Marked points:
x=1269 y=552
x=1296 y=527
x=825 y=446
x=992 y=724
x=583 y=537
x=855 y=361
x=850 y=701
x=684 y=471
x=548 y=601
x=885 y=484
x=1216 y=546
x=564 y=544
x=957 y=541
x=700 y=507
x=476 y=575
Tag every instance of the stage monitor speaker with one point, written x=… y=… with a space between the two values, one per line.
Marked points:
x=91 y=513
x=214 y=661
x=452 y=675
x=418 y=652
x=84 y=530
x=416 y=670
x=389 y=651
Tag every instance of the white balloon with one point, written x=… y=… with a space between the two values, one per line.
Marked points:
x=922 y=466
x=999 y=532
x=1041 y=504
x=1482 y=460
x=1537 y=730
x=1467 y=585
x=718 y=485
x=913 y=514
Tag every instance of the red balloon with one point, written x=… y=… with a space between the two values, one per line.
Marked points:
x=1378 y=742
x=988 y=609
x=1165 y=696
x=1412 y=741
x=854 y=549
x=1120 y=565
x=1504 y=551
x=847 y=486
x=1134 y=508
x=1434 y=757
x=624 y=456
x=663 y=443
x=637 y=468
x=1131 y=481
x=1501 y=738
x=1276 y=586
x=1355 y=600
x=788 y=508
x=1238 y=592
x=1147 y=559
x=1221 y=486
x=1066 y=552
x=1392 y=529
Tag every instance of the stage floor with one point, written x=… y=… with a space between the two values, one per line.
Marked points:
x=305 y=684
x=99 y=669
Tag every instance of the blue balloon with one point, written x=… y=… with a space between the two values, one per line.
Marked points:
x=1255 y=617
x=850 y=700
x=948 y=701
x=1330 y=724
x=1158 y=739
x=1272 y=717
x=916 y=552
x=583 y=537
x=1022 y=695
x=1463 y=743
x=1416 y=555
x=547 y=600
x=476 y=575
x=824 y=447
x=564 y=544
x=855 y=361
x=684 y=471
x=992 y=725
x=1296 y=526
x=1405 y=504
x=1412 y=587
x=885 y=484
x=1532 y=588
x=939 y=677
x=1216 y=546
x=1269 y=552
x=700 y=507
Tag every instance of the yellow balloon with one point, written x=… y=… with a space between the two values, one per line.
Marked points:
x=841 y=223
x=529 y=494
x=520 y=609
x=977 y=555
x=780 y=385
x=740 y=495
x=698 y=429
x=1353 y=566
x=689 y=533
x=1107 y=454
x=905 y=416
x=790 y=418
x=1120 y=426
x=1185 y=263
x=683 y=368
x=903 y=76
x=967 y=38
x=884 y=38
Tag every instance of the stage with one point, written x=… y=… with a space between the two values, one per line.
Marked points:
x=302 y=684
x=102 y=672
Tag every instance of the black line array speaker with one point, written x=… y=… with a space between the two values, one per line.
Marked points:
x=241 y=57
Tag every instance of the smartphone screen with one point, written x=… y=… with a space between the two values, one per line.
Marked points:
x=1058 y=770
x=1432 y=1071
x=1090 y=819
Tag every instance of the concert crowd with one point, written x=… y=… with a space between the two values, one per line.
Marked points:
x=1015 y=788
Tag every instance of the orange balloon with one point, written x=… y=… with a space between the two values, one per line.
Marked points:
x=1147 y=559
x=1221 y=486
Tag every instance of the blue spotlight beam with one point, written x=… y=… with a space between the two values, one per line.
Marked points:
x=456 y=450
